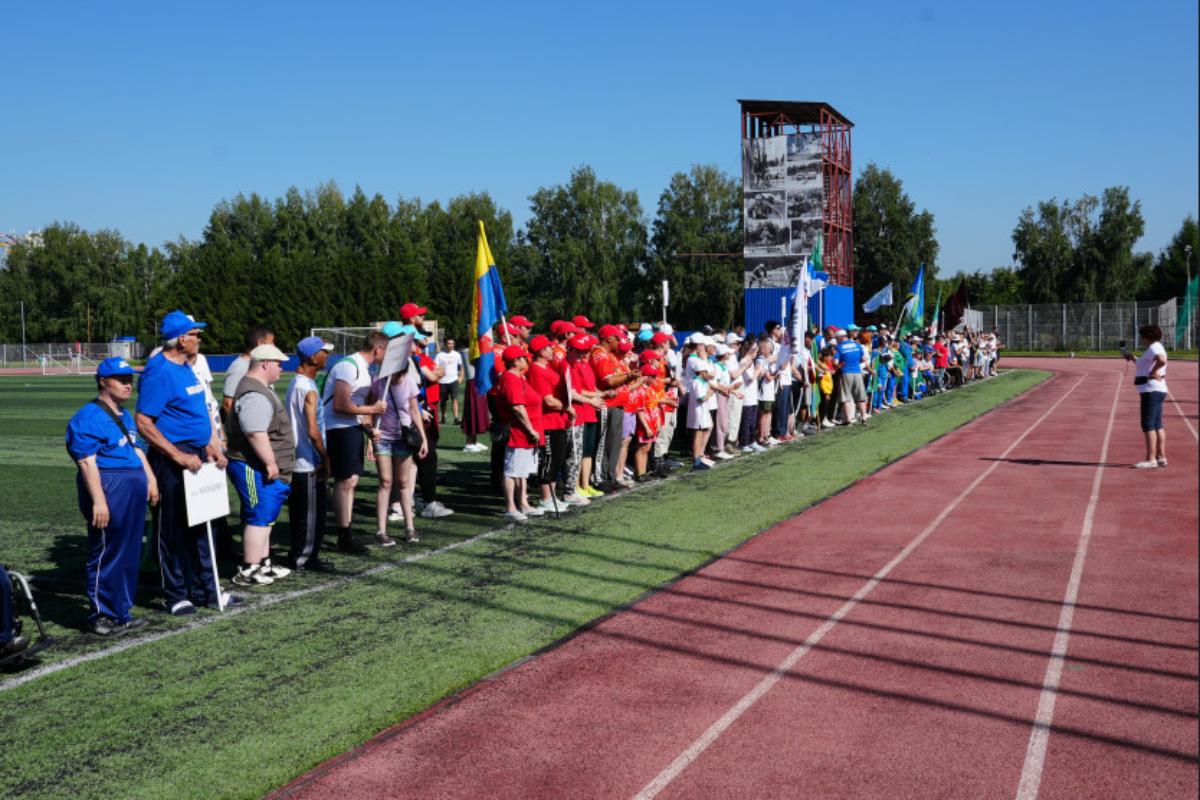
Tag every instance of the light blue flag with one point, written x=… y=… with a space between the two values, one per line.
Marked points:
x=881 y=298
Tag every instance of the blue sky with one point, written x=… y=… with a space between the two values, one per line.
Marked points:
x=142 y=116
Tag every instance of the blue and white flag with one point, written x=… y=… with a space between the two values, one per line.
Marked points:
x=881 y=298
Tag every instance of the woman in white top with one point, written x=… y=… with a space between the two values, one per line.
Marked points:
x=1150 y=378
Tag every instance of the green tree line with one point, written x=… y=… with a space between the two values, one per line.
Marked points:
x=321 y=258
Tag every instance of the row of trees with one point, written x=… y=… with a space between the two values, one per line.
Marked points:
x=321 y=258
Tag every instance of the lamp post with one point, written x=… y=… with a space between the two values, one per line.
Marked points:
x=1187 y=279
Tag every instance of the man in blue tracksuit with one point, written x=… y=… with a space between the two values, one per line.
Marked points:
x=173 y=417
x=114 y=483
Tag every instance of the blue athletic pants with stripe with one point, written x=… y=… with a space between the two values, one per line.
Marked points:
x=6 y=608
x=184 y=560
x=115 y=551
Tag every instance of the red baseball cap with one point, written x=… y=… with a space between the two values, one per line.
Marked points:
x=582 y=322
x=538 y=342
x=650 y=355
x=660 y=338
x=625 y=347
x=410 y=310
x=513 y=330
x=609 y=330
x=513 y=352
x=562 y=326
x=581 y=341
x=650 y=369
x=520 y=320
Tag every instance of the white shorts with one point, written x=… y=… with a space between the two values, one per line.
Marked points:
x=520 y=462
x=698 y=417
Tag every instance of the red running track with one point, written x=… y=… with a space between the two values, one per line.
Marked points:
x=895 y=640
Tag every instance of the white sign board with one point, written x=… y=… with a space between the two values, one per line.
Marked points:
x=207 y=497
x=395 y=359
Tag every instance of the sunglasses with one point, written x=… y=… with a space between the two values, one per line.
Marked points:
x=125 y=379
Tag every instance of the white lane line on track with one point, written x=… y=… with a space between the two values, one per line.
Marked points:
x=1183 y=417
x=267 y=600
x=664 y=778
x=1035 y=753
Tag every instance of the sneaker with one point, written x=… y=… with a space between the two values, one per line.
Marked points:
x=758 y=448
x=576 y=499
x=532 y=511
x=383 y=540
x=591 y=491
x=395 y=515
x=15 y=646
x=252 y=576
x=347 y=544
x=480 y=447
x=275 y=571
x=1162 y=462
x=515 y=516
x=707 y=461
x=435 y=510
x=723 y=456
x=828 y=424
x=549 y=507
x=182 y=609
x=748 y=449
x=772 y=441
x=699 y=466
x=312 y=565
x=1146 y=465
x=103 y=626
x=418 y=505
x=411 y=537
x=671 y=463
x=133 y=625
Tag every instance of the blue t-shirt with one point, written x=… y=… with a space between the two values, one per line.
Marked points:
x=850 y=353
x=92 y=432
x=173 y=396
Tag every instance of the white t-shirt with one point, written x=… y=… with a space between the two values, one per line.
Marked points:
x=233 y=375
x=750 y=385
x=205 y=376
x=784 y=362
x=451 y=362
x=355 y=371
x=766 y=381
x=1145 y=363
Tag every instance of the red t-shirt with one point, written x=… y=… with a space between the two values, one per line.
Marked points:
x=516 y=391
x=942 y=356
x=583 y=379
x=548 y=382
x=433 y=391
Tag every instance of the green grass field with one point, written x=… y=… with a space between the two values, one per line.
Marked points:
x=236 y=705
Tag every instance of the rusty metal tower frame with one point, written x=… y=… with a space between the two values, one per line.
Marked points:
x=762 y=118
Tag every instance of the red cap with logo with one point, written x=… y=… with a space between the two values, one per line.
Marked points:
x=562 y=326
x=624 y=347
x=650 y=355
x=660 y=338
x=651 y=369
x=410 y=310
x=582 y=341
x=513 y=352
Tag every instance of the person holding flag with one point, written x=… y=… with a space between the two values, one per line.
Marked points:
x=487 y=311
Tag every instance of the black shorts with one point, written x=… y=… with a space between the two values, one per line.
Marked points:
x=346 y=449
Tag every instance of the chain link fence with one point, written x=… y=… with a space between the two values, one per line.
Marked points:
x=75 y=356
x=1086 y=326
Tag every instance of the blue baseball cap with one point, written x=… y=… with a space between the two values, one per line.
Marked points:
x=872 y=328
x=392 y=329
x=852 y=327
x=114 y=366
x=177 y=323
x=645 y=335
x=309 y=346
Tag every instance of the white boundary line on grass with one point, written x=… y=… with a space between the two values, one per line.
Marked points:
x=266 y=600
x=1035 y=753
x=263 y=602
x=664 y=778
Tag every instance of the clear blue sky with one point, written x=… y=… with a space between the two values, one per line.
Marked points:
x=141 y=116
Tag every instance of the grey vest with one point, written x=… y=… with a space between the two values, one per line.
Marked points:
x=279 y=432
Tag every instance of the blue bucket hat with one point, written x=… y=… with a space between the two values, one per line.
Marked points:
x=645 y=335
x=416 y=332
x=178 y=323
x=114 y=366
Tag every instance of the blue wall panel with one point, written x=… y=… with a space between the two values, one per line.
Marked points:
x=833 y=306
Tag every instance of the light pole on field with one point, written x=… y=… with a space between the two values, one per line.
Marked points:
x=1187 y=279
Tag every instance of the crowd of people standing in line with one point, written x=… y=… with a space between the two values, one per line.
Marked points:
x=578 y=411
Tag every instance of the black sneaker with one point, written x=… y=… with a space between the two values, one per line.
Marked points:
x=312 y=565
x=15 y=646
x=347 y=544
x=103 y=626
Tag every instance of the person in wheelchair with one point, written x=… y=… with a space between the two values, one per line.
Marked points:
x=10 y=642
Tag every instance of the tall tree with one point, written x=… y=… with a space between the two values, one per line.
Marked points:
x=1081 y=251
x=891 y=238
x=700 y=211
x=586 y=247
x=1171 y=269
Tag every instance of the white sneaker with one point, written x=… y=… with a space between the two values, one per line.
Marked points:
x=435 y=510
x=724 y=456
x=395 y=515
x=758 y=448
x=1162 y=462
x=749 y=449
x=828 y=424
x=532 y=511
x=548 y=507
x=480 y=447
x=251 y=576
x=515 y=516
x=576 y=499
x=1146 y=465
x=275 y=571
x=707 y=461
